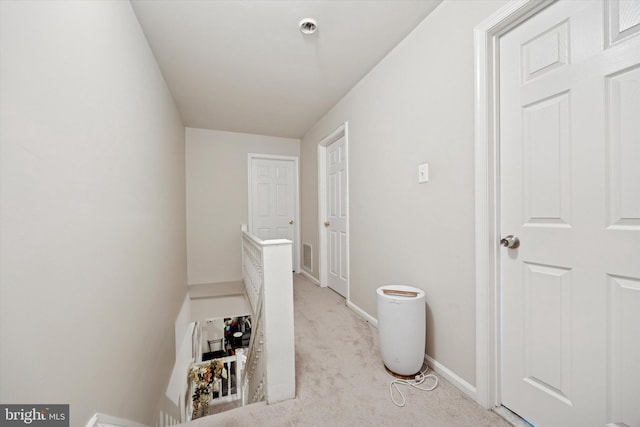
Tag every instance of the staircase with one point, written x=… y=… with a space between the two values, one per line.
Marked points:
x=267 y=371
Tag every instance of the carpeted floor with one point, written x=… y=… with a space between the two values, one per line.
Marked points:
x=340 y=379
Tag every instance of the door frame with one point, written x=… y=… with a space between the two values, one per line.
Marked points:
x=487 y=192
x=296 y=203
x=341 y=131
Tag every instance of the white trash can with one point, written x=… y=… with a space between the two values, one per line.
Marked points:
x=402 y=329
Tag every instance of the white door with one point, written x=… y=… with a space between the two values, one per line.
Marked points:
x=336 y=222
x=570 y=191
x=273 y=200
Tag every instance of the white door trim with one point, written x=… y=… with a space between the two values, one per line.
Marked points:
x=487 y=193
x=296 y=204
x=341 y=131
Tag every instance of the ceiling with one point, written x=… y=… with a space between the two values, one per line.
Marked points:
x=244 y=66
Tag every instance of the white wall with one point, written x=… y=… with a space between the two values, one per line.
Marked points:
x=217 y=198
x=93 y=256
x=415 y=106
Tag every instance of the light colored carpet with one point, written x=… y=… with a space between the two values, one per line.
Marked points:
x=341 y=381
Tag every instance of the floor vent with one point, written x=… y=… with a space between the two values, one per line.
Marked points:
x=307 y=257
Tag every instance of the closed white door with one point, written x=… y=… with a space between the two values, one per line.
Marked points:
x=570 y=191
x=273 y=200
x=336 y=222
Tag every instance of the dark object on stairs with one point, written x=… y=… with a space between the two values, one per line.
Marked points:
x=213 y=355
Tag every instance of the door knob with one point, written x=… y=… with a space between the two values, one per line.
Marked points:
x=290 y=221
x=510 y=241
x=327 y=223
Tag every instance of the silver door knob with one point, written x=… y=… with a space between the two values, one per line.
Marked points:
x=510 y=241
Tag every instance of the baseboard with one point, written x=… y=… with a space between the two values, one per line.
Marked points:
x=450 y=376
x=445 y=372
x=442 y=370
x=101 y=419
x=310 y=278
x=360 y=312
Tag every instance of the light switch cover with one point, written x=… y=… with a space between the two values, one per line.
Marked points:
x=423 y=173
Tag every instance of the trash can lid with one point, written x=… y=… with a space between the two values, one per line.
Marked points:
x=400 y=291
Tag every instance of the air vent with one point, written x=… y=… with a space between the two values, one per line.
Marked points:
x=307 y=257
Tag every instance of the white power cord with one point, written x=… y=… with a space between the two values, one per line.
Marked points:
x=420 y=378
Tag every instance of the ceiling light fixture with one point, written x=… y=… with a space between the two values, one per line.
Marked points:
x=308 y=25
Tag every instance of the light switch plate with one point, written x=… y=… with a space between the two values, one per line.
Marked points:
x=423 y=173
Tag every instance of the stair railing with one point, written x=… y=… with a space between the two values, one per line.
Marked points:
x=269 y=372
x=225 y=389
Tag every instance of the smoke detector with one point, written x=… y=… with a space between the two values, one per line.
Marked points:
x=308 y=25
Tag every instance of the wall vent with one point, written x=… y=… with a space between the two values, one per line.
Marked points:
x=307 y=256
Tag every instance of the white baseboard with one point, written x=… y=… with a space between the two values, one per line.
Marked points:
x=360 y=312
x=450 y=376
x=310 y=278
x=442 y=370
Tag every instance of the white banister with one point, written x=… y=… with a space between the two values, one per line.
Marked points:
x=267 y=276
x=225 y=389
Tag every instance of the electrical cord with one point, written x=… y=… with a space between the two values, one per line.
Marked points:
x=420 y=378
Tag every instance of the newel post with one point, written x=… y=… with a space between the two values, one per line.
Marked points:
x=278 y=321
